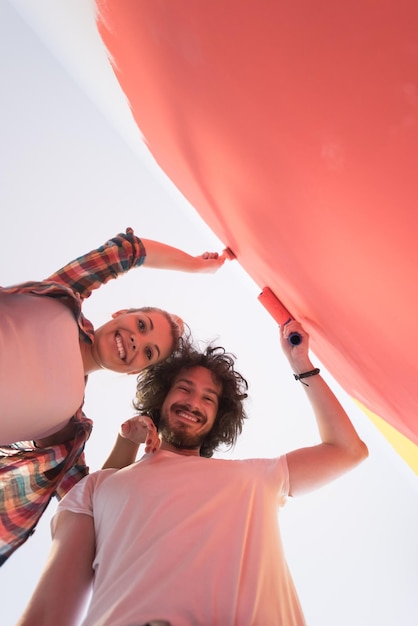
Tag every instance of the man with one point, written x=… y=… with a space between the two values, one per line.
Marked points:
x=182 y=537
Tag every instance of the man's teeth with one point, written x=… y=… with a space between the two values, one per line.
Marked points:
x=187 y=416
x=120 y=348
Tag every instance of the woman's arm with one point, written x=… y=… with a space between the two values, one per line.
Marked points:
x=159 y=255
x=124 y=252
x=133 y=432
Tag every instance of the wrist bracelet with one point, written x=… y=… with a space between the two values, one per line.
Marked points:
x=306 y=375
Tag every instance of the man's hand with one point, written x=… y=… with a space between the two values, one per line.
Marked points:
x=297 y=355
x=141 y=429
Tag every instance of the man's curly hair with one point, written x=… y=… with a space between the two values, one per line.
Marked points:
x=154 y=383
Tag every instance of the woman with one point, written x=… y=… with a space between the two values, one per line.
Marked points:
x=48 y=349
x=47 y=346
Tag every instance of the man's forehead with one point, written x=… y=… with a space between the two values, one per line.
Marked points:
x=190 y=373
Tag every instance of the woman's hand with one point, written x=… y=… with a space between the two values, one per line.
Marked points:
x=141 y=429
x=161 y=256
x=210 y=262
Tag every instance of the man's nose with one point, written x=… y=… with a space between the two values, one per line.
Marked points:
x=194 y=402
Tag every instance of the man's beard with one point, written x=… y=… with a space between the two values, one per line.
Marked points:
x=179 y=436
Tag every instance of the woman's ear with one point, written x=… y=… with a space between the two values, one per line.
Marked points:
x=179 y=323
x=118 y=313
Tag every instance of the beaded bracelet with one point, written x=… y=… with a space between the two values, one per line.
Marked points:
x=306 y=375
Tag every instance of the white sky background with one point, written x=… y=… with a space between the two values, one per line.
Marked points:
x=69 y=181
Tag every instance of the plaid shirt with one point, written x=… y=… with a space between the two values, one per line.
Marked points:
x=31 y=476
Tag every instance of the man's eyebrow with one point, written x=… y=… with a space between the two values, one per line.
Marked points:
x=191 y=383
x=184 y=380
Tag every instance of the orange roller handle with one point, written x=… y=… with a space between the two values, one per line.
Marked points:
x=278 y=312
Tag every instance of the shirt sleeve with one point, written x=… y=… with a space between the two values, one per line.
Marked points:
x=283 y=471
x=88 y=272
x=275 y=473
x=80 y=498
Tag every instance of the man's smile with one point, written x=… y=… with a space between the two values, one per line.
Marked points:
x=186 y=415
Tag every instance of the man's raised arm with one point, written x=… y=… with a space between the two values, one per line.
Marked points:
x=341 y=448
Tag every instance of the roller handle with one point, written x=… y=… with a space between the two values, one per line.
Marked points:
x=294 y=338
x=279 y=313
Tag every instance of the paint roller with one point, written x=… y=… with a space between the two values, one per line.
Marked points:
x=278 y=312
x=273 y=306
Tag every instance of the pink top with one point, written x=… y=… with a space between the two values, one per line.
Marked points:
x=38 y=396
x=190 y=540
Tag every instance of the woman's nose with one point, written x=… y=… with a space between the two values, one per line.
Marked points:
x=133 y=343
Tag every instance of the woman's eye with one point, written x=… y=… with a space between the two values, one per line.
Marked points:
x=148 y=353
x=141 y=326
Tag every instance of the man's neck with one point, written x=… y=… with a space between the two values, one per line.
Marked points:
x=182 y=451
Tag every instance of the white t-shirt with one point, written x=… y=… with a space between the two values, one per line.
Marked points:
x=191 y=540
x=41 y=369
